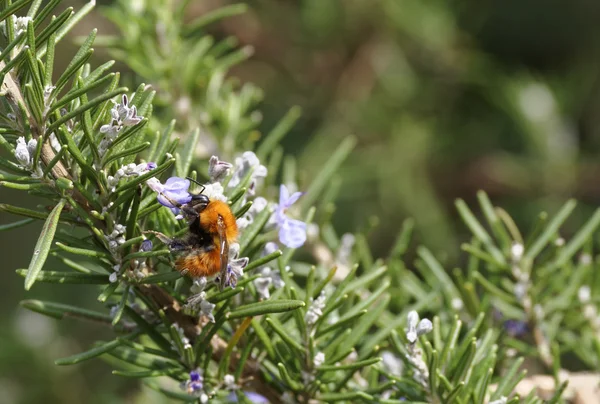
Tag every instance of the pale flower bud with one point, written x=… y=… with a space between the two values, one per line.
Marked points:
x=217 y=169
x=319 y=359
x=516 y=252
x=411 y=332
x=413 y=319
x=22 y=152
x=584 y=294
x=424 y=327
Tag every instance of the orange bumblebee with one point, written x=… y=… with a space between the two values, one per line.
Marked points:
x=205 y=248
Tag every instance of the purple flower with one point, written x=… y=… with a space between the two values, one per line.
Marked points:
x=292 y=233
x=125 y=114
x=146 y=245
x=250 y=395
x=174 y=190
x=195 y=376
x=247 y=161
x=194 y=386
x=235 y=266
x=515 y=328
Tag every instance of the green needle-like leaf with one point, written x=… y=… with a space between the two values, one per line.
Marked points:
x=13 y=8
x=161 y=278
x=578 y=240
x=263 y=260
x=264 y=338
x=353 y=396
x=152 y=173
x=94 y=352
x=84 y=89
x=351 y=366
x=479 y=232
x=148 y=373
x=285 y=336
x=342 y=322
x=273 y=138
x=551 y=229
x=283 y=372
x=59 y=311
x=224 y=295
x=51 y=29
x=266 y=307
x=216 y=15
x=46 y=11
x=67 y=277
x=255 y=227
x=14 y=225
x=509 y=380
x=82 y=251
x=81 y=109
x=42 y=247
x=184 y=161
x=133 y=151
x=172 y=394
x=324 y=176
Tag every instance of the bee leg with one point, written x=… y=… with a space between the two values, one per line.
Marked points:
x=189 y=212
x=174 y=244
x=163 y=238
x=178 y=245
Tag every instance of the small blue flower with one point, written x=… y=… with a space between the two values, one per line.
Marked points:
x=292 y=233
x=146 y=245
x=254 y=398
x=516 y=328
x=195 y=385
x=195 y=376
x=175 y=190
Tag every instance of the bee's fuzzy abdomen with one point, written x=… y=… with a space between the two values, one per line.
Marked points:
x=202 y=264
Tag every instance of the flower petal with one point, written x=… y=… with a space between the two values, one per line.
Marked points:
x=234 y=250
x=292 y=233
x=164 y=201
x=250 y=158
x=294 y=198
x=175 y=184
x=284 y=195
x=262 y=286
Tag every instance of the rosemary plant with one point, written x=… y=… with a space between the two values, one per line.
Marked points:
x=114 y=166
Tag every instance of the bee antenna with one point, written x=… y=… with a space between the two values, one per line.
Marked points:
x=197 y=183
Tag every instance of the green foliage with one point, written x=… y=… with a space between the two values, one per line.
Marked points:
x=329 y=323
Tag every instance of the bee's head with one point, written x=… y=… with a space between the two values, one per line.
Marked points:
x=199 y=202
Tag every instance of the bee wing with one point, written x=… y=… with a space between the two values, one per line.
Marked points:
x=224 y=249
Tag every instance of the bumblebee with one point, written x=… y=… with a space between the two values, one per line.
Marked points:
x=204 y=250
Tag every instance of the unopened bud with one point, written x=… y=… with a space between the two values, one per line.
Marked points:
x=411 y=332
x=22 y=152
x=413 y=319
x=217 y=169
x=424 y=327
x=516 y=252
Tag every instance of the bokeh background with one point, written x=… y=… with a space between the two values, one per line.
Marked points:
x=444 y=97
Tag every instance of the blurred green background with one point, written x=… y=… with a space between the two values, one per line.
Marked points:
x=444 y=97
